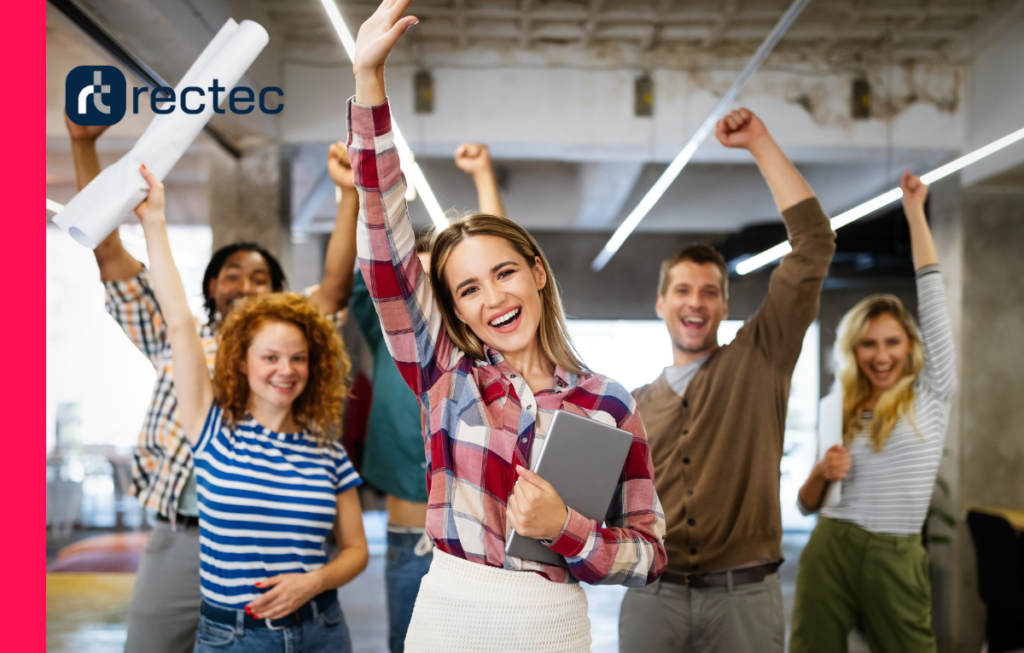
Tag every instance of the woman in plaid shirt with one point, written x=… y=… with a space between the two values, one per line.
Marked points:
x=484 y=346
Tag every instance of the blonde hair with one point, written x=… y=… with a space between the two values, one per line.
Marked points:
x=554 y=335
x=319 y=406
x=897 y=401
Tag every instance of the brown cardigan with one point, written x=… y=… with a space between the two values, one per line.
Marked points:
x=717 y=449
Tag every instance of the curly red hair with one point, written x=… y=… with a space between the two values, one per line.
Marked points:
x=319 y=406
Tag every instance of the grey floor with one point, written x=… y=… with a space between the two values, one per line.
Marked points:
x=365 y=607
x=89 y=614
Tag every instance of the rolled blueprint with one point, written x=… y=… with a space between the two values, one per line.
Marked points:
x=108 y=200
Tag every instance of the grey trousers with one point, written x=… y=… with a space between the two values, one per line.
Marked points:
x=664 y=617
x=165 y=602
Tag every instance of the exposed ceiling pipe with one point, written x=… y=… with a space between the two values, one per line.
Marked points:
x=705 y=129
x=773 y=254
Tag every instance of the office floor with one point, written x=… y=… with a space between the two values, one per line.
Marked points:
x=88 y=613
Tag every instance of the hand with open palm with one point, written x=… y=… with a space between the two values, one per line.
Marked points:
x=374 y=42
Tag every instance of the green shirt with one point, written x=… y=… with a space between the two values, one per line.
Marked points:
x=394 y=458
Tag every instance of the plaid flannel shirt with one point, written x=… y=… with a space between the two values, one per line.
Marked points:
x=162 y=462
x=477 y=424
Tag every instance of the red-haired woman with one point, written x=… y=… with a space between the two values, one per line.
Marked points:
x=271 y=481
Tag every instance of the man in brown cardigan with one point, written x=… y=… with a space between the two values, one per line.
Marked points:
x=716 y=422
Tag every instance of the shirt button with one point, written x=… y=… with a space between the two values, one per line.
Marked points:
x=686 y=431
x=685 y=404
x=686 y=461
x=691 y=521
x=529 y=407
x=693 y=552
x=689 y=493
x=523 y=440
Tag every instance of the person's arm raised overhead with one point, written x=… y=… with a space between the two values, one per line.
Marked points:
x=191 y=376
x=939 y=372
x=385 y=240
x=795 y=288
x=115 y=263
x=475 y=159
x=914 y=195
x=339 y=267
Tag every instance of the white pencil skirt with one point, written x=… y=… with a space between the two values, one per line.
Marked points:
x=464 y=606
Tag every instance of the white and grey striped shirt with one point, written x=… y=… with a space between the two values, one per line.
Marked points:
x=889 y=491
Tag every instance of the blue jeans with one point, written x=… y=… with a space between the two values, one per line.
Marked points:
x=403 y=571
x=326 y=633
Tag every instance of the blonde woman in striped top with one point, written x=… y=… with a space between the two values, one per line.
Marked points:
x=865 y=558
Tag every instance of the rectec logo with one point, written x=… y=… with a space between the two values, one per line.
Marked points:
x=95 y=95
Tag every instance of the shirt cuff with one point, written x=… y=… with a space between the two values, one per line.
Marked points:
x=575 y=533
x=928 y=269
x=366 y=121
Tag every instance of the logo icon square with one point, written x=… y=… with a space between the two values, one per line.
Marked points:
x=95 y=95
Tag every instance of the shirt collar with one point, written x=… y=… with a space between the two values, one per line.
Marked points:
x=494 y=373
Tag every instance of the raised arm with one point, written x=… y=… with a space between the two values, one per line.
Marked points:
x=914 y=195
x=742 y=129
x=191 y=376
x=339 y=267
x=114 y=261
x=795 y=288
x=475 y=159
x=939 y=371
x=385 y=241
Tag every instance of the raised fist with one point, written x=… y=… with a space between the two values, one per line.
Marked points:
x=473 y=158
x=914 y=192
x=740 y=128
x=83 y=132
x=339 y=168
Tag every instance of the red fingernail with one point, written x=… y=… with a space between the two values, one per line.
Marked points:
x=143 y=166
x=257 y=584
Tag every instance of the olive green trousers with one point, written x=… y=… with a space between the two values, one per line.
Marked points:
x=846 y=572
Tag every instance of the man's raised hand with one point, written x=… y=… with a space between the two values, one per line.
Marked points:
x=83 y=132
x=742 y=129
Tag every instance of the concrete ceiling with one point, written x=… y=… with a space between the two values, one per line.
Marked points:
x=835 y=30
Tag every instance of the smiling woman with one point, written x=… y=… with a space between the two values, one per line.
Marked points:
x=484 y=346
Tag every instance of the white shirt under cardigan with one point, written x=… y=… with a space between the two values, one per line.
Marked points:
x=889 y=491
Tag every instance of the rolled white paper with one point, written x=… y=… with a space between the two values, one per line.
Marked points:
x=830 y=433
x=108 y=200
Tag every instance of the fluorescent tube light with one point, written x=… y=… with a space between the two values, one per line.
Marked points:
x=56 y=207
x=412 y=169
x=764 y=258
x=705 y=129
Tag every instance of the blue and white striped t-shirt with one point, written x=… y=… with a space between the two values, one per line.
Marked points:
x=266 y=503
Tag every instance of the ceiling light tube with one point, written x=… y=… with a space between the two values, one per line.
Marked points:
x=705 y=129
x=768 y=256
x=56 y=207
x=409 y=166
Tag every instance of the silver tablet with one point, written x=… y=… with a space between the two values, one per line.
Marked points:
x=582 y=459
